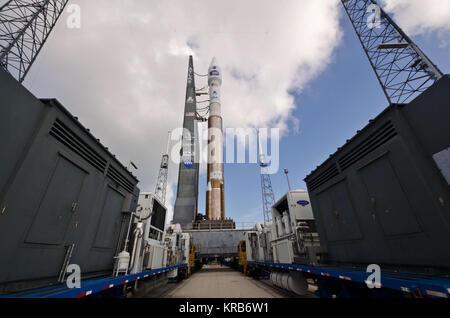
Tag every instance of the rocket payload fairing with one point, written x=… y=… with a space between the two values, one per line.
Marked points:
x=215 y=203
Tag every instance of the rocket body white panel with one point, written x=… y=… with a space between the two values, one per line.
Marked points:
x=215 y=141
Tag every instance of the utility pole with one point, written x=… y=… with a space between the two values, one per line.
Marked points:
x=287 y=178
x=24 y=28
x=402 y=69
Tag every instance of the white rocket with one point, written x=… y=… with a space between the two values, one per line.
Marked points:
x=215 y=203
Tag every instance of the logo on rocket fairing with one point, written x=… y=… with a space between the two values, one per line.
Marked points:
x=188 y=163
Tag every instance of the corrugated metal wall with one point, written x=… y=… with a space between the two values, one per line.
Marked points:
x=382 y=198
x=58 y=186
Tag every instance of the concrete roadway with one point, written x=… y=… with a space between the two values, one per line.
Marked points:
x=215 y=281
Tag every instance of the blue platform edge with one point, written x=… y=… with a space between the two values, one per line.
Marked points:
x=430 y=286
x=89 y=286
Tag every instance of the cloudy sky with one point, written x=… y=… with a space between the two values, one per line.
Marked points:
x=291 y=64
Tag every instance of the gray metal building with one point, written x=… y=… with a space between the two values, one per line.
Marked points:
x=63 y=195
x=384 y=197
x=217 y=243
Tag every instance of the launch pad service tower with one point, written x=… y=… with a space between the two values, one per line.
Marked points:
x=215 y=203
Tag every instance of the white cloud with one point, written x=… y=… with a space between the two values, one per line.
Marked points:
x=124 y=72
x=419 y=16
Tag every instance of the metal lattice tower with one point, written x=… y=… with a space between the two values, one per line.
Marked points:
x=161 y=183
x=402 y=69
x=267 y=193
x=24 y=27
x=268 y=198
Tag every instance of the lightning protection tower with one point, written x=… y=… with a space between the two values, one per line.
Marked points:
x=268 y=198
x=402 y=69
x=24 y=28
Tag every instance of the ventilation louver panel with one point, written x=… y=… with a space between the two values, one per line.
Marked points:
x=374 y=141
x=323 y=177
x=115 y=175
x=67 y=137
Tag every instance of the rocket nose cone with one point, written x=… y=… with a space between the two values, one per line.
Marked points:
x=213 y=61
x=214 y=64
x=214 y=72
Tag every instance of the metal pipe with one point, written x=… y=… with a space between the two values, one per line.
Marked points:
x=138 y=234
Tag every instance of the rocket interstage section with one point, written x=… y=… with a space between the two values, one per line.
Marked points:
x=215 y=206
